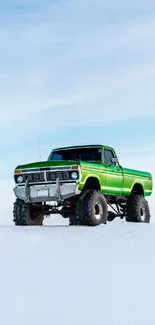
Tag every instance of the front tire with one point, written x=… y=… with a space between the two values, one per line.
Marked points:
x=22 y=215
x=70 y=214
x=92 y=209
x=137 y=209
x=73 y=221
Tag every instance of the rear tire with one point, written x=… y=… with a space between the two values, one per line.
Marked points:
x=137 y=209
x=22 y=215
x=92 y=209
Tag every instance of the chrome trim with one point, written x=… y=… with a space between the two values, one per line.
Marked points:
x=46 y=169
x=27 y=194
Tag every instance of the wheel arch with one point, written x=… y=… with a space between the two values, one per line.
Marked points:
x=137 y=189
x=92 y=183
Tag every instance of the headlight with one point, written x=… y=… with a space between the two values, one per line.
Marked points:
x=19 y=179
x=74 y=175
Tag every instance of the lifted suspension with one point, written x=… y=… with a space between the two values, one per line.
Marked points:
x=118 y=212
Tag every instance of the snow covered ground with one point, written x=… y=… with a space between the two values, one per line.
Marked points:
x=63 y=275
x=76 y=275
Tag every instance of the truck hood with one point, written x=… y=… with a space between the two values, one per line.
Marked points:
x=44 y=164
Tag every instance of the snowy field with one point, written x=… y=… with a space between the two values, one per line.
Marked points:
x=77 y=276
x=60 y=275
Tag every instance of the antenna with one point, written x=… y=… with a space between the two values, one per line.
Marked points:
x=39 y=149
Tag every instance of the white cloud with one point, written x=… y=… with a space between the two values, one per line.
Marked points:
x=127 y=95
x=98 y=93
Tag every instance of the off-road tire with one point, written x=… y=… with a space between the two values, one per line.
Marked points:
x=71 y=215
x=73 y=220
x=92 y=209
x=22 y=215
x=137 y=209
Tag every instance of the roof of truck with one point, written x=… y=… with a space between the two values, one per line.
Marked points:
x=84 y=146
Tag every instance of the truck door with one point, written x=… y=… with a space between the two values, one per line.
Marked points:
x=114 y=174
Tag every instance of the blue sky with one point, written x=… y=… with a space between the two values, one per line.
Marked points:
x=74 y=72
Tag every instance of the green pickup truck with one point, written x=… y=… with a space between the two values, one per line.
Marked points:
x=85 y=184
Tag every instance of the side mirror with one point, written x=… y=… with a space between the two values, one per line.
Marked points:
x=114 y=160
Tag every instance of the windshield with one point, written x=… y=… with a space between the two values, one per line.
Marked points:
x=83 y=154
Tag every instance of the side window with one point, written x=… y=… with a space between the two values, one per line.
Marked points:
x=108 y=154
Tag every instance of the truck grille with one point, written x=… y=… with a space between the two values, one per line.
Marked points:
x=52 y=176
x=43 y=177
x=36 y=177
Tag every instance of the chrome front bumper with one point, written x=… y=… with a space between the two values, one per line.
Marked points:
x=46 y=192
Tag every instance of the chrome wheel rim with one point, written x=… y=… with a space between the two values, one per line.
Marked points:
x=98 y=211
x=142 y=214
